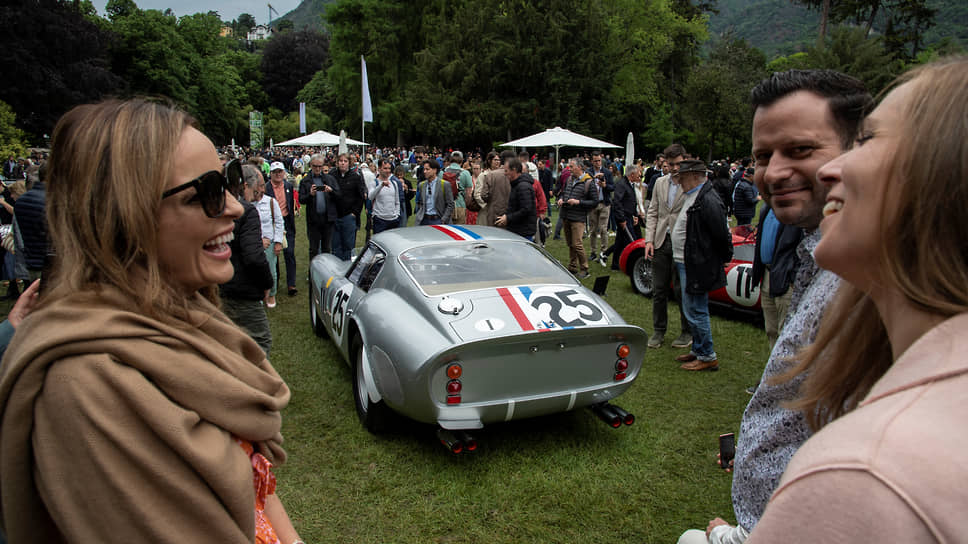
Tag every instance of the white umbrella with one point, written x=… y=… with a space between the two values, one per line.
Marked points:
x=558 y=137
x=318 y=138
x=342 y=142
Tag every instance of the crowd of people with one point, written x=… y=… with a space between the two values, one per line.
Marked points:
x=139 y=366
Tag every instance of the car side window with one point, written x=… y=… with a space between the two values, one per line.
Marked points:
x=367 y=267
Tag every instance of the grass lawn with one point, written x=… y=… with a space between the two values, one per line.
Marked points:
x=563 y=478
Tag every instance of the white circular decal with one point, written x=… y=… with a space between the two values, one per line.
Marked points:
x=490 y=324
x=739 y=285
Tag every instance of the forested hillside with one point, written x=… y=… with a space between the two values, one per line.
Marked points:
x=782 y=27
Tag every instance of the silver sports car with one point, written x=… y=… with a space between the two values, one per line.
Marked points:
x=463 y=326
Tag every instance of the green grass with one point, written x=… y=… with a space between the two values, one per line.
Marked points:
x=563 y=478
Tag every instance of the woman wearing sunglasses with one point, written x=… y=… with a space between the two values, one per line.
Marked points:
x=887 y=375
x=133 y=410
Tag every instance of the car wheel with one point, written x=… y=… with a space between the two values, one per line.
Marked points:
x=375 y=416
x=315 y=319
x=641 y=276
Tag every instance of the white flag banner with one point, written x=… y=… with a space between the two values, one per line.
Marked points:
x=367 y=107
x=302 y=118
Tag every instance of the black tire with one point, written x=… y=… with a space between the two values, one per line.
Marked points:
x=641 y=275
x=315 y=319
x=375 y=416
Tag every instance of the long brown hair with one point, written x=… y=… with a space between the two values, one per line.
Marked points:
x=109 y=165
x=922 y=253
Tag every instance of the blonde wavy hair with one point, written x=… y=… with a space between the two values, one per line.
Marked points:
x=109 y=164
x=923 y=252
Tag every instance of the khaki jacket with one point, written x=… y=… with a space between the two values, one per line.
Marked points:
x=660 y=218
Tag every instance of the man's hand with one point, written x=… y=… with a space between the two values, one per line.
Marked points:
x=312 y=189
x=560 y=202
x=277 y=248
x=265 y=243
x=573 y=202
x=649 y=250
x=714 y=523
x=719 y=462
x=635 y=220
x=501 y=220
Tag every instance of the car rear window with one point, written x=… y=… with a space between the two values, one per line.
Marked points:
x=452 y=267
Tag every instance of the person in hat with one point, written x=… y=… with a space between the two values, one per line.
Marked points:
x=701 y=245
x=282 y=190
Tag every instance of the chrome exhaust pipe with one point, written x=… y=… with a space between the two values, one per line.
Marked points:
x=470 y=443
x=626 y=417
x=450 y=440
x=605 y=413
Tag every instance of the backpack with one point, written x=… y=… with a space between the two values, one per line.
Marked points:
x=451 y=176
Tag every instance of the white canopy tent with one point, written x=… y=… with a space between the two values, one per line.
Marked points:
x=558 y=137
x=320 y=138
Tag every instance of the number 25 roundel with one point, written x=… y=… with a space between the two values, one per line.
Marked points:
x=552 y=307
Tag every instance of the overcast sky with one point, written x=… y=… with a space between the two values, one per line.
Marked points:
x=227 y=10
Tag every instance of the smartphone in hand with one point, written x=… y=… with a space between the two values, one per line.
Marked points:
x=727 y=449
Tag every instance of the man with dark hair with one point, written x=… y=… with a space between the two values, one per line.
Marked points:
x=317 y=192
x=520 y=217
x=598 y=216
x=495 y=192
x=663 y=210
x=349 y=204
x=387 y=199
x=435 y=200
x=802 y=119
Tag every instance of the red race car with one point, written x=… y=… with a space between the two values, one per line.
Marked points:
x=739 y=293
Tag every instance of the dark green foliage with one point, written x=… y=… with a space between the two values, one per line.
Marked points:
x=52 y=59
x=289 y=60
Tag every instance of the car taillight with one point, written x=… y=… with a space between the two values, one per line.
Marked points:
x=621 y=364
x=454 y=387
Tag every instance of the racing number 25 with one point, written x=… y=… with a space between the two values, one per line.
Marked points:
x=562 y=299
x=339 y=311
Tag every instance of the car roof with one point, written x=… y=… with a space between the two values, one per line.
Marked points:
x=395 y=241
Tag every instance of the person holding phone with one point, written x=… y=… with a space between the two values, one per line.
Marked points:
x=887 y=375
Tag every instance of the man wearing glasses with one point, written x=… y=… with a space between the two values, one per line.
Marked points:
x=281 y=189
x=316 y=194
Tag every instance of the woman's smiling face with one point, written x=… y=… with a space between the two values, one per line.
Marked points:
x=860 y=180
x=193 y=249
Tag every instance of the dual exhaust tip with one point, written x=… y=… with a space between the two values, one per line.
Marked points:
x=612 y=415
x=458 y=441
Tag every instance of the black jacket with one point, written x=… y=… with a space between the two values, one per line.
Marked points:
x=308 y=201
x=289 y=222
x=352 y=192
x=252 y=275
x=582 y=189
x=709 y=243
x=744 y=203
x=521 y=211
x=785 y=260
x=623 y=201
x=30 y=211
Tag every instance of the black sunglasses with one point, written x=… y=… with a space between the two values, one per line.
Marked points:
x=211 y=186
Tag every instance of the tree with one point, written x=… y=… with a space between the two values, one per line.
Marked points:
x=244 y=24
x=57 y=60
x=289 y=60
x=848 y=50
x=717 y=97
x=284 y=25
x=12 y=139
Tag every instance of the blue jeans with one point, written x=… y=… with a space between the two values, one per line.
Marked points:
x=344 y=236
x=696 y=308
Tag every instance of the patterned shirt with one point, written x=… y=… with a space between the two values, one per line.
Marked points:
x=769 y=433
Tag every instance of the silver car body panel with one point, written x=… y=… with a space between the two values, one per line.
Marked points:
x=526 y=349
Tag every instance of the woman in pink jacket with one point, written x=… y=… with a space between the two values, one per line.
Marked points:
x=887 y=383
